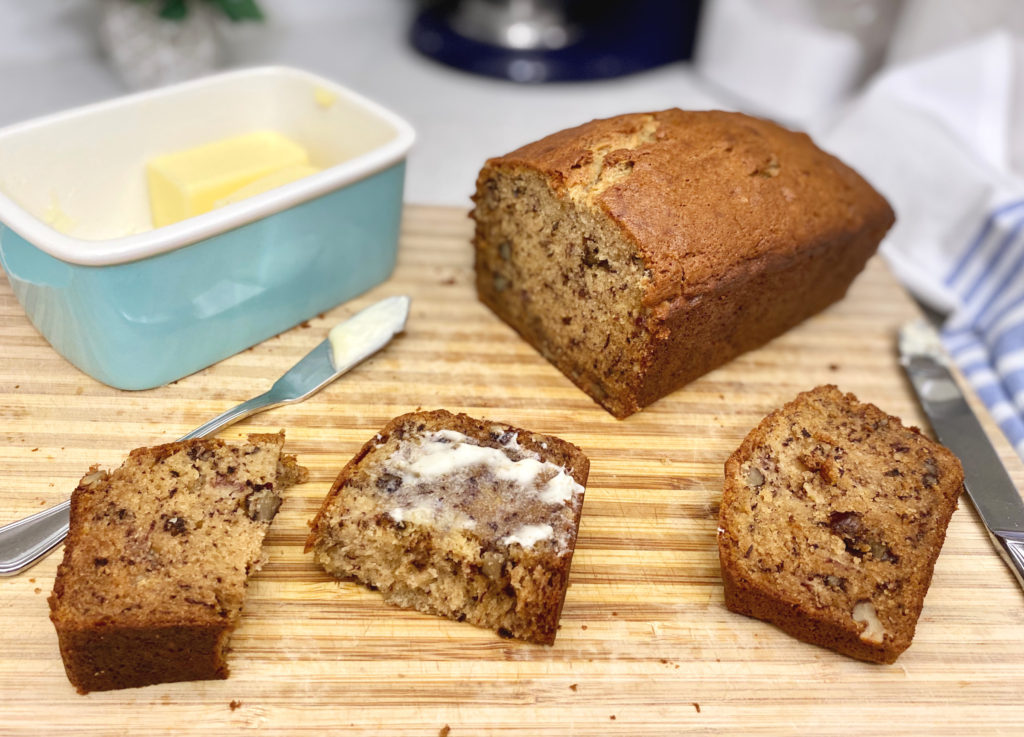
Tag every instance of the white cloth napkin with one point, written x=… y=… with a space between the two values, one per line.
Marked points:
x=943 y=139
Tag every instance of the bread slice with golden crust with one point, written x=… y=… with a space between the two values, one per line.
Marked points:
x=157 y=557
x=832 y=517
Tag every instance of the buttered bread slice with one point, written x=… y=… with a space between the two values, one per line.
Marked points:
x=459 y=517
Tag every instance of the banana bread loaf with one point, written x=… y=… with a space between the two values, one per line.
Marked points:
x=157 y=557
x=832 y=517
x=639 y=252
x=464 y=518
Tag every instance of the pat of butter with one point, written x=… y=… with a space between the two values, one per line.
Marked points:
x=277 y=179
x=367 y=331
x=191 y=182
x=529 y=535
x=56 y=218
x=324 y=98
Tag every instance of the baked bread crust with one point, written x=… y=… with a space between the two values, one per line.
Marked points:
x=710 y=232
x=157 y=556
x=832 y=517
x=454 y=560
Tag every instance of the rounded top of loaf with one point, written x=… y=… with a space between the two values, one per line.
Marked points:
x=704 y=195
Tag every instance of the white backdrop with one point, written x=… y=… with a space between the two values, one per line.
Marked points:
x=50 y=60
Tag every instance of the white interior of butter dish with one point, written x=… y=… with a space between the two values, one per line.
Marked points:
x=76 y=180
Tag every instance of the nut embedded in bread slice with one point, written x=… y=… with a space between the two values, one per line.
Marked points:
x=832 y=517
x=157 y=557
x=464 y=518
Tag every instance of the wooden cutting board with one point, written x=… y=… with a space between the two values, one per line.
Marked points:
x=646 y=646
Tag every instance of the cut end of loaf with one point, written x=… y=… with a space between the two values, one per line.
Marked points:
x=562 y=276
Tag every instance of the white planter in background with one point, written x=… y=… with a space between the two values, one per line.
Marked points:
x=147 y=51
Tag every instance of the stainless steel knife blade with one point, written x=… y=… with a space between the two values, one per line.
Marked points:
x=988 y=484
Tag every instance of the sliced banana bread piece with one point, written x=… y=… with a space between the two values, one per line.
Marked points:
x=831 y=520
x=459 y=517
x=157 y=557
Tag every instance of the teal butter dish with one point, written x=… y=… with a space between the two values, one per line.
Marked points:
x=137 y=307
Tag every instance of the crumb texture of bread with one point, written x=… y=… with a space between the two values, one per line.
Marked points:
x=464 y=518
x=157 y=556
x=832 y=517
x=639 y=252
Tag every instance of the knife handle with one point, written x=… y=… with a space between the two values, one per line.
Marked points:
x=1011 y=548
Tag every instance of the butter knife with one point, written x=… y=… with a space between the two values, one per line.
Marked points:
x=988 y=484
x=26 y=541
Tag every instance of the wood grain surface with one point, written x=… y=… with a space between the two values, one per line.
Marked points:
x=646 y=646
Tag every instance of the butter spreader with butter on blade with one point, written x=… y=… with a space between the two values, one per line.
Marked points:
x=348 y=344
x=988 y=484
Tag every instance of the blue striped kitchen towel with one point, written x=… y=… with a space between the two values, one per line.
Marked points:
x=940 y=136
x=985 y=335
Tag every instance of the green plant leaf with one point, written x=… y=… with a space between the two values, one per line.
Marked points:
x=238 y=10
x=174 y=9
